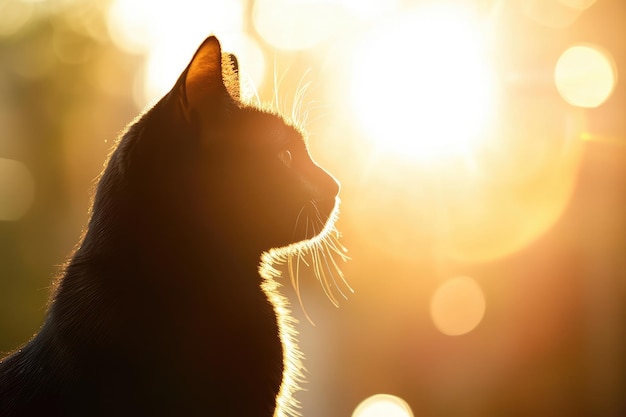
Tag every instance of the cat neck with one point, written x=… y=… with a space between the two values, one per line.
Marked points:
x=143 y=247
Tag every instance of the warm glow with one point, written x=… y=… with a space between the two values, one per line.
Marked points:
x=578 y=4
x=370 y=9
x=480 y=147
x=585 y=76
x=383 y=405
x=295 y=24
x=13 y=15
x=421 y=84
x=17 y=189
x=458 y=306
x=551 y=13
x=138 y=26
x=518 y=184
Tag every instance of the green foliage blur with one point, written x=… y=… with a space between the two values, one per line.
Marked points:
x=65 y=93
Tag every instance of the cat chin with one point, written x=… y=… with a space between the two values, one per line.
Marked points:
x=313 y=220
x=330 y=206
x=322 y=252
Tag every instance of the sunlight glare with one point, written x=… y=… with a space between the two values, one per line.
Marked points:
x=295 y=24
x=421 y=84
x=128 y=23
x=585 y=76
x=165 y=63
x=457 y=306
x=17 y=189
x=383 y=405
x=370 y=9
x=137 y=26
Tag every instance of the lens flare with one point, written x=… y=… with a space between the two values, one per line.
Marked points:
x=585 y=76
x=383 y=405
x=522 y=181
x=421 y=84
x=458 y=306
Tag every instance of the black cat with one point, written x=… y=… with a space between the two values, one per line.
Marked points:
x=165 y=307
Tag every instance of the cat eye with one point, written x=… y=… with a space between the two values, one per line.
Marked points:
x=285 y=156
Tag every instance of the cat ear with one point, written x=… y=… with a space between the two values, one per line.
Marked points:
x=209 y=79
x=203 y=78
x=230 y=75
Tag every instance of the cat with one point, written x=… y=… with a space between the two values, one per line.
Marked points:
x=168 y=305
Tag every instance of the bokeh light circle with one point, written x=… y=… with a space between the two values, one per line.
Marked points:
x=585 y=76
x=383 y=405
x=520 y=184
x=457 y=306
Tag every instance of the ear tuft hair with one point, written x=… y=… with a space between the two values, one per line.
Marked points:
x=230 y=75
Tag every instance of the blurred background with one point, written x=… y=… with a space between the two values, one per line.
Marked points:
x=481 y=147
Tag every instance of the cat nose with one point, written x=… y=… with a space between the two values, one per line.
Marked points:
x=327 y=187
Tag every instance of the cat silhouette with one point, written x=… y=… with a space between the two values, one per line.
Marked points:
x=168 y=304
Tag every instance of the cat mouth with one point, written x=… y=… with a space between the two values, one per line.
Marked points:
x=325 y=207
x=314 y=218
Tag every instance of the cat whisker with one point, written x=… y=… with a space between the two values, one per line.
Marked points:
x=321 y=276
x=250 y=92
x=326 y=253
x=331 y=238
x=297 y=116
x=295 y=227
x=321 y=243
x=306 y=230
x=304 y=115
x=321 y=249
x=338 y=271
x=327 y=285
x=295 y=282
x=331 y=243
x=277 y=83
x=330 y=270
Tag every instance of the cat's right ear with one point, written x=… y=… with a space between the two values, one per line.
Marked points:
x=230 y=75
x=202 y=85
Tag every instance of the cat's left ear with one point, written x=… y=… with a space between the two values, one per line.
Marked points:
x=206 y=83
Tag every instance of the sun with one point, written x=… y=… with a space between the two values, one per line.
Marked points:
x=422 y=85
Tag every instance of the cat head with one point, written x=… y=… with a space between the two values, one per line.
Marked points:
x=203 y=163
